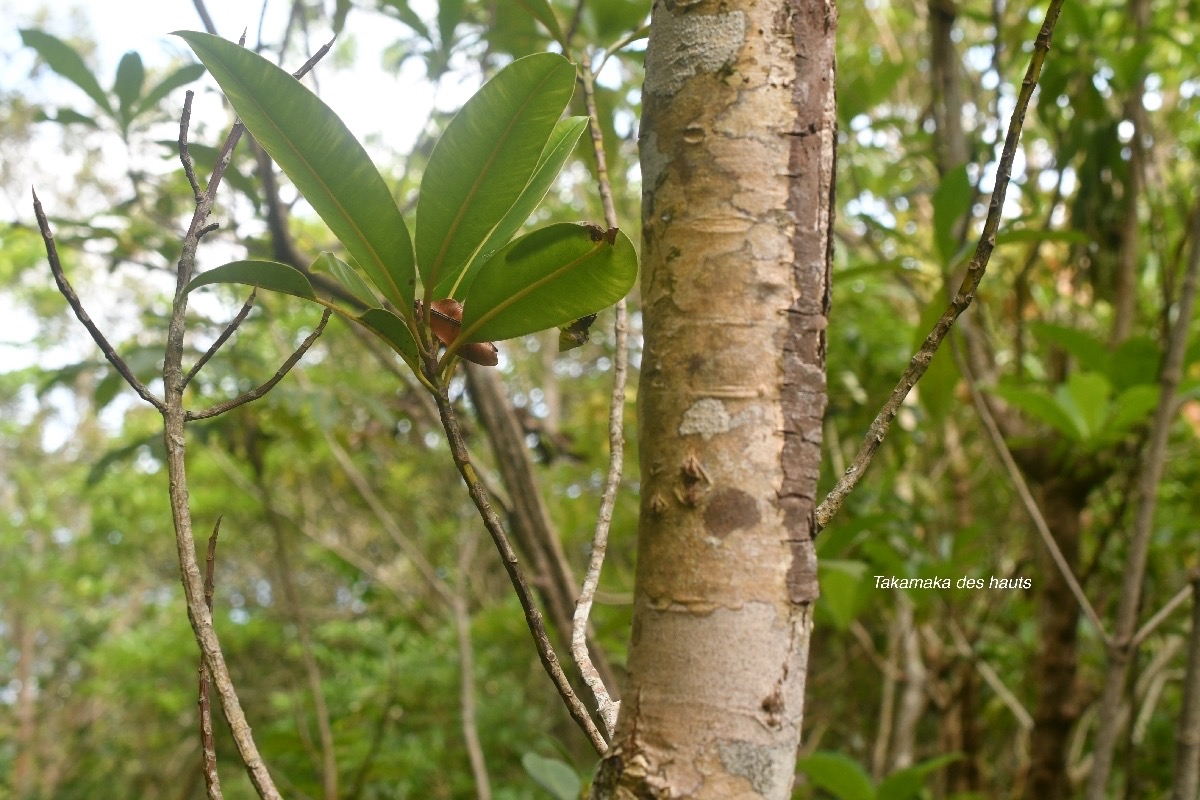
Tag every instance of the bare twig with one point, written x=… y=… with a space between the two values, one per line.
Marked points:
x=1121 y=647
x=64 y=286
x=533 y=616
x=254 y=394
x=1187 y=736
x=616 y=439
x=205 y=17
x=176 y=456
x=185 y=157
x=466 y=668
x=224 y=337
x=1031 y=506
x=1162 y=615
x=966 y=291
x=212 y=783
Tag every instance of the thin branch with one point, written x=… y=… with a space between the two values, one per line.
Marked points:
x=616 y=439
x=533 y=616
x=224 y=337
x=212 y=782
x=64 y=286
x=258 y=392
x=466 y=669
x=1031 y=506
x=1187 y=732
x=1161 y=616
x=966 y=291
x=175 y=440
x=205 y=17
x=1121 y=647
x=185 y=157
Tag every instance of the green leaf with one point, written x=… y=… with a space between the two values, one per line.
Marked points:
x=950 y=202
x=541 y=11
x=547 y=278
x=1085 y=396
x=180 y=77
x=264 y=274
x=318 y=152
x=69 y=116
x=555 y=776
x=1130 y=408
x=393 y=331
x=841 y=776
x=907 y=783
x=483 y=162
x=348 y=277
x=841 y=585
x=63 y=59
x=1043 y=408
x=449 y=14
x=1039 y=235
x=562 y=143
x=405 y=14
x=131 y=77
x=1135 y=361
x=1090 y=352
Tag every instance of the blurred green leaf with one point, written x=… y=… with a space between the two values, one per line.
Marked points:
x=180 y=77
x=1043 y=408
x=842 y=594
x=1085 y=397
x=556 y=777
x=841 y=776
x=131 y=77
x=541 y=11
x=63 y=59
x=1089 y=351
x=951 y=201
x=909 y=783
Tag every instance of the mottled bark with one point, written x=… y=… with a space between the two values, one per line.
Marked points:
x=737 y=148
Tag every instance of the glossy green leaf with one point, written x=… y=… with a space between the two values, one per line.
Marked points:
x=264 y=274
x=950 y=202
x=131 y=77
x=63 y=59
x=840 y=775
x=392 y=330
x=556 y=777
x=348 y=277
x=318 y=152
x=547 y=278
x=562 y=143
x=180 y=77
x=484 y=160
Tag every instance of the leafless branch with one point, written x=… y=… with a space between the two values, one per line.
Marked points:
x=258 y=392
x=1162 y=615
x=616 y=439
x=1121 y=646
x=1187 y=736
x=533 y=616
x=224 y=337
x=466 y=668
x=185 y=157
x=966 y=291
x=212 y=782
x=64 y=286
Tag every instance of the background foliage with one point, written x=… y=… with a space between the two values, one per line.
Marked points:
x=97 y=663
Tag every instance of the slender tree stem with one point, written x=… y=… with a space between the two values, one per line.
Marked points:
x=966 y=291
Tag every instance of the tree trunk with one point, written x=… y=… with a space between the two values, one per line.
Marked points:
x=737 y=152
